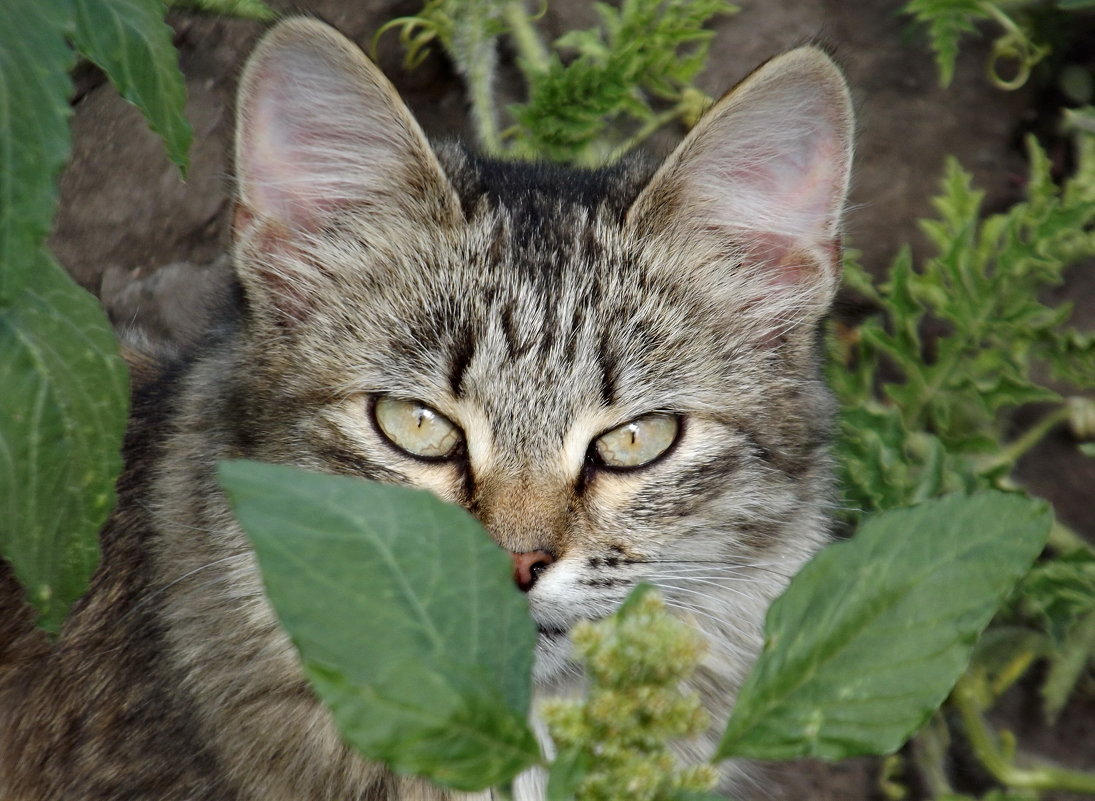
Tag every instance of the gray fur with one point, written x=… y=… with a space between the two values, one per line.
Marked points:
x=534 y=307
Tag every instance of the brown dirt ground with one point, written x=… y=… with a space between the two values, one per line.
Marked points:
x=151 y=244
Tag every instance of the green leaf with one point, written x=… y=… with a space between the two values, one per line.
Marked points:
x=132 y=44
x=1067 y=666
x=1060 y=592
x=34 y=136
x=406 y=617
x=644 y=48
x=569 y=767
x=947 y=21
x=247 y=9
x=872 y=634
x=62 y=415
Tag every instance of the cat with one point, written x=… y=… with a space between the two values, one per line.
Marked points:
x=616 y=371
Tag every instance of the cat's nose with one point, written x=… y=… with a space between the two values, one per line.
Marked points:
x=529 y=566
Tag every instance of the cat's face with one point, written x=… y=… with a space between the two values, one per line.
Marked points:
x=615 y=372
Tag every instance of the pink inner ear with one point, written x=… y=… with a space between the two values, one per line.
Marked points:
x=314 y=137
x=286 y=176
x=785 y=191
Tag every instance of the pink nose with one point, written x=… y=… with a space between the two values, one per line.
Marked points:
x=528 y=566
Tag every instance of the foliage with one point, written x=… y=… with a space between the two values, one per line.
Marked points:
x=634 y=56
x=247 y=9
x=849 y=667
x=641 y=58
x=1017 y=47
x=927 y=389
x=871 y=635
x=63 y=409
x=614 y=742
x=943 y=415
x=442 y=686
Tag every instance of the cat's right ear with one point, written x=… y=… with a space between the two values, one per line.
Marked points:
x=321 y=131
x=320 y=128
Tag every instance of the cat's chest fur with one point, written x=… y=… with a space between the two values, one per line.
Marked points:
x=616 y=371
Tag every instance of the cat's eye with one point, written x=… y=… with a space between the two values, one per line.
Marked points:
x=416 y=428
x=637 y=443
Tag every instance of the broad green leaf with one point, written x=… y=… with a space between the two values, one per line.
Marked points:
x=62 y=414
x=406 y=617
x=34 y=136
x=131 y=42
x=872 y=634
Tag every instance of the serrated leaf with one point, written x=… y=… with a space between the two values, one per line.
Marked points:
x=947 y=21
x=653 y=47
x=34 y=137
x=1067 y=666
x=871 y=635
x=247 y=9
x=405 y=615
x=131 y=42
x=1061 y=591
x=62 y=414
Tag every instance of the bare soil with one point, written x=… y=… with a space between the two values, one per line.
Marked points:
x=151 y=245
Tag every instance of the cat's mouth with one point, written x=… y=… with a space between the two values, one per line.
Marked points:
x=551 y=631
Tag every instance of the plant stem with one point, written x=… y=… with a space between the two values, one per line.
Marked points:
x=525 y=38
x=1063 y=539
x=1013 y=671
x=474 y=52
x=930 y=752
x=647 y=129
x=1014 y=450
x=481 y=94
x=986 y=747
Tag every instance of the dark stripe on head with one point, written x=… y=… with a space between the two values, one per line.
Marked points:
x=463 y=351
x=607 y=362
x=350 y=462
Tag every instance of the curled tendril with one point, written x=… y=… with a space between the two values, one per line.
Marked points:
x=1020 y=50
x=417 y=33
x=1014 y=46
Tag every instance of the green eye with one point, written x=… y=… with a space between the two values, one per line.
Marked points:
x=416 y=428
x=639 y=442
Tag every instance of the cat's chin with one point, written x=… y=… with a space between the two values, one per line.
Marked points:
x=553 y=657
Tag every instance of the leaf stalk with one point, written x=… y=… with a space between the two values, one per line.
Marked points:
x=987 y=747
x=1017 y=448
x=525 y=38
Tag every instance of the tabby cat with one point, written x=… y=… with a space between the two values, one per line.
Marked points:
x=616 y=371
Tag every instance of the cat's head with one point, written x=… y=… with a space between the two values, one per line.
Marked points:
x=616 y=371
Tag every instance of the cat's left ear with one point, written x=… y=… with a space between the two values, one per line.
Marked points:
x=752 y=198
